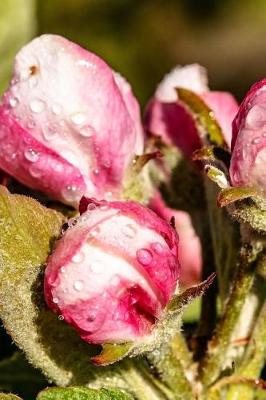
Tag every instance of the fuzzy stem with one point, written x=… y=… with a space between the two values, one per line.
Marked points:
x=172 y=362
x=212 y=364
x=254 y=360
x=141 y=382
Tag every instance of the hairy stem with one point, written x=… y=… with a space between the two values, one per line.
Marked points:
x=213 y=363
x=172 y=363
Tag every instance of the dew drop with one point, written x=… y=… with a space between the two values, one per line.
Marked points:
x=13 y=101
x=91 y=206
x=78 y=257
x=94 y=232
x=144 y=256
x=56 y=300
x=129 y=230
x=108 y=195
x=78 y=118
x=49 y=133
x=78 y=285
x=63 y=270
x=37 y=106
x=256 y=140
x=61 y=317
x=56 y=109
x=96 y=171
x=158 y=248
x=31 y=155
x=35 y=171
x=71 y=193
x=87 y=131
x=97 y=267
x=104 y=207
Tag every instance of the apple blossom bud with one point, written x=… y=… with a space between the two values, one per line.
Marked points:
x=168 y=118
x=113 y=272
x=69 y=125
x=248 y=162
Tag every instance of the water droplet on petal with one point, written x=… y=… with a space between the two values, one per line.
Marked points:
x=78 y=285
x=144 y=256
x=31 y=155
x=91 y=206
x=97 y=267
x=37 y=106
x=35 y=171
x=91 y=317
x=129 y=230
x=13 y=101
x=96 y=171
x=56 y=109
x=104 y=207
x=94 y=232
x=61 y=317
x=63 y=270
x=71 y=193
x=108 y=195
x=256 y=140
x=49 y=133
x=158 y=248
x=56 y=300
x=87 y=131
x=78 y=118
x=78 y=257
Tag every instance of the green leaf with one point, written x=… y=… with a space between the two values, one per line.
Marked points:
x=82 y=393
x=17 y=26
x=112 y=353
x=9 y=396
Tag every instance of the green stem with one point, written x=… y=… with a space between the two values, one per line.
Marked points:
x=141 y=383
x=172 y=362
x=213 y=363
x=254 y=360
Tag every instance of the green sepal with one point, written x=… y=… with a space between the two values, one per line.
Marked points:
x=82 y=393
x=180 y=301
x=211 y=133
x=233 y=194
x=112 y=352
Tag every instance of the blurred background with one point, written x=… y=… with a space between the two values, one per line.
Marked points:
x=144 y=39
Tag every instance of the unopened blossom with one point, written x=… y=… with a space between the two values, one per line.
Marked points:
x=69 y=125
x=248 y=162
x=167 y=117
x=113 y=272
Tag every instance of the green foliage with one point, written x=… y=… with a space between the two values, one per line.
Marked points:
x=17 y=25
x=8 y=396
x=82 y=393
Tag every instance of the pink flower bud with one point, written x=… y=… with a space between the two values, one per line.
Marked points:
x=248 y=162
x=69 y=125
x=170 y=120
x=189 y=246
x=113 y=272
